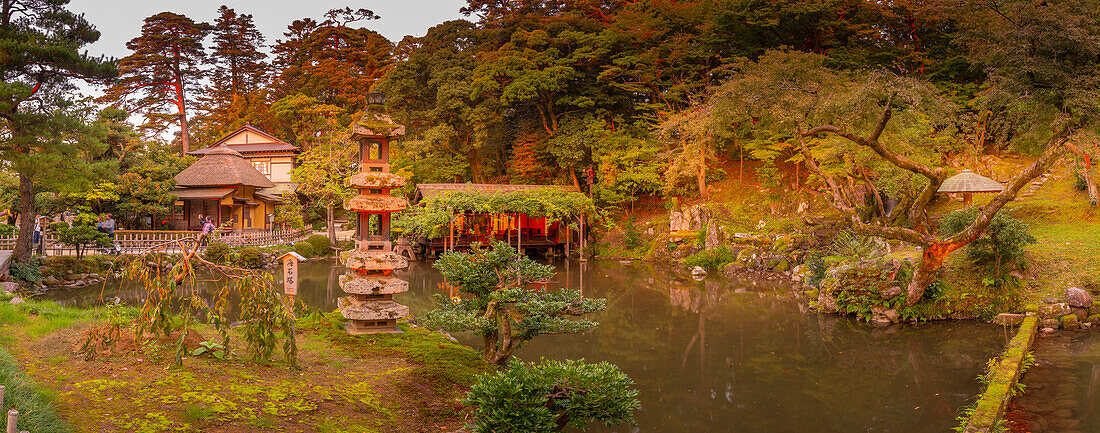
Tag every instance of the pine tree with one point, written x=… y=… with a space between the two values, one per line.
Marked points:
x=39 y=55
x=158 y=75
x=331 y=60
x=238 y=74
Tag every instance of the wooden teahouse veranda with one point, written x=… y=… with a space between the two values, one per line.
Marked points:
x=499 y=223
x=224 y=185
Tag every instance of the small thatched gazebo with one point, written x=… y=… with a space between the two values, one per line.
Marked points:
x=222 y=184
x=968 y=183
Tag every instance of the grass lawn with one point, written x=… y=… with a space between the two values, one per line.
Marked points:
x=384 y=383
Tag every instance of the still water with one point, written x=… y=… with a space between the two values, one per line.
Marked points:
x=731 y=355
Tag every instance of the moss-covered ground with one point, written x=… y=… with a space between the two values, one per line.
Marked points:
x=382 y=383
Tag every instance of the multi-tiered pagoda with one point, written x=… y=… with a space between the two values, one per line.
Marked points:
x=371 y=283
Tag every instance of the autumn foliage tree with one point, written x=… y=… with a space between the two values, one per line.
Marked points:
x=239 y=72
x=164 y=68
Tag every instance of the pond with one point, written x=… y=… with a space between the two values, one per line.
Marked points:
x=731 y=355
x=1062 y=391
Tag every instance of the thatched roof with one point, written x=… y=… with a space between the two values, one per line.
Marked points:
x=428 y=190
x=968 y=181
x=222 y=166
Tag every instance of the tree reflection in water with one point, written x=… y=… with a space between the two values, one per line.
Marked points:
x=736 y=355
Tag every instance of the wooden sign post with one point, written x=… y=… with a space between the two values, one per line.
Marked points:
x=290 y=272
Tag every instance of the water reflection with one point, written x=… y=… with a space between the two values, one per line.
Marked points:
x=729 y=355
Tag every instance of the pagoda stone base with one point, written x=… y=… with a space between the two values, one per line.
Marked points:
x=363 y=327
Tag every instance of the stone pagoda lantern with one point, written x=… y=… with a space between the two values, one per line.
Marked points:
x=370 y=308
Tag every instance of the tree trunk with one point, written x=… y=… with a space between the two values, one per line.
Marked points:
x=332 y=223
x=701 y=179
x=1090 y=183
x=22 y=252
x=925 y=273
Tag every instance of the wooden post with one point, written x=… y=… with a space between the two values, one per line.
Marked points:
x=290 y=272
x=580 y=247
x=1 y=397
x=519 y=229
x=13 y=419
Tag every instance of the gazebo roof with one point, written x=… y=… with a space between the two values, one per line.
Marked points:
x=222 y=166
x=968 y=181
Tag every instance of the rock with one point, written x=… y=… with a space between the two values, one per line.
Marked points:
x=1070 y=322
x=625 y=262
x=880 y=320
x=1047 y=330
x=1094 y=319
x=9 y=287
x=93 y=276
x=1053 y=311
x=51 y=281
x=891 y=292
x=782 y=266
x=698 y=271
x=1077 y=297
x=16 y=301
x=1049 y=323
x=892 y=314
x=1009 y=319
x=1081 y=313
x=1051 y=300
x=826 y=303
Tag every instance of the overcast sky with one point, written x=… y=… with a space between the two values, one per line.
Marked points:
x=121 y=20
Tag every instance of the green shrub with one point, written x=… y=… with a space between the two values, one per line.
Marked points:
x=854 y=246
x=1000 y=247
x=304 y=248
x=321 y=244
x=36 y=414
x=714 y=258
x=26 y=272
x=217 y=252
x=532 y=398
x=632 y=238
x=8 y=230
x=250 y=258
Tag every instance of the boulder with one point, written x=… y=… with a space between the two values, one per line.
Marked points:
x=1077 y=297
x=16 y=301
x=1051 y=300
x=9 y=287
x=698 y=271
x=1081 y=313
x=1009 y=319
x=1095 y=319
x=1053 y=311
x=1049 y=323
x=891 y=292
x=51 y=281
x=782 y=266
x=1070 y=322
x=892 y=314
x=826 y=303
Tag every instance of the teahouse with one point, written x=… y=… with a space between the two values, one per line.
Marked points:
x=222 y=184
x=272 y=157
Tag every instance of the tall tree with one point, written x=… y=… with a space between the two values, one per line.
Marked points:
x=332 y=60
x=164 y=67
x=39 y=58
x=238 y=73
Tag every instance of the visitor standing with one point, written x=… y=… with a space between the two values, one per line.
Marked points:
x=207 y=230
x=39 y=227
x=109 y=229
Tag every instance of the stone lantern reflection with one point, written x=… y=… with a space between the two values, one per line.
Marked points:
x=370 y=308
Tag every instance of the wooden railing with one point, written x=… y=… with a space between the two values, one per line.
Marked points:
x=134 y=241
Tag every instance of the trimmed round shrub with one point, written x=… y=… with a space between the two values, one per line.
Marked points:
x=251 y=258
x=217 y=252
x=304 y=248
x=321 y=244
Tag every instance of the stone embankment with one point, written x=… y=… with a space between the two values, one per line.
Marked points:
x=1001 y=378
